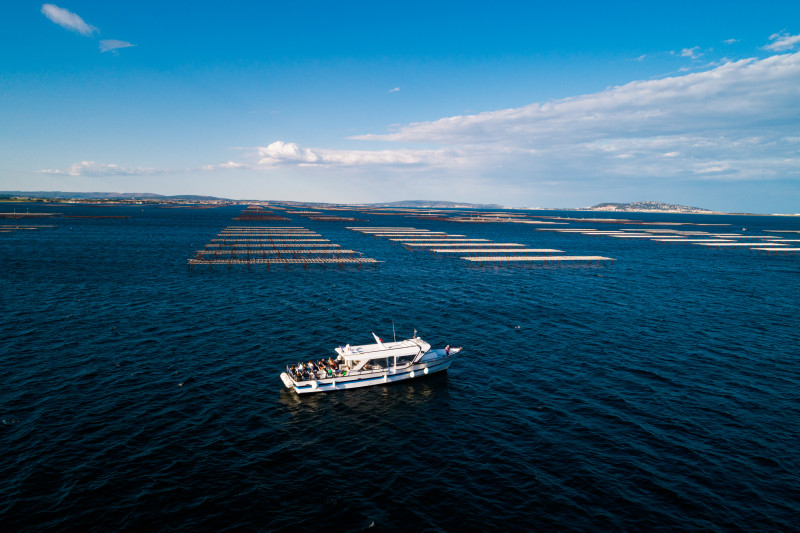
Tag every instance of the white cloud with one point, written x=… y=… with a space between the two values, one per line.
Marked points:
x=281 y=153
x=730 y=41
x=67 y=19
x=694 y=52
x=782 y=41
x=395 y=90
x=109 y=45
x=226 y=166
x=92 y=169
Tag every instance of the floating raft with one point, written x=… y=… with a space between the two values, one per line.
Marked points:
x=430 y=234
x=713 y=241
x=431 y=240
x=331 y=218
x=8 y=228
x=275 y=218
x=234 y=239
x=297 y=240
x=749 y=244
x=494 y=250
x=260 y=235
x=28 y=215
x=266 y=231
x=383 y=228
x=258 y=213
x=304 y=261
x=461 y=244
x=540 y=259
x=265 y=228
x=279 y=245
x=252 y=252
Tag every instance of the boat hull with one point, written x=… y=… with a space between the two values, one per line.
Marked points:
x=370 y=379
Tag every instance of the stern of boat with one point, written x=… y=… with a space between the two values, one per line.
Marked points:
x=287 y=380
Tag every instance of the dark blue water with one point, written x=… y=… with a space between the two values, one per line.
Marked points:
x=660 y=393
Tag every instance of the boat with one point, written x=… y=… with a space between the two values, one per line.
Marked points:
x=369 y=364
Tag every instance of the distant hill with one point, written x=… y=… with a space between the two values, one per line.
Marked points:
x=648 y=206
x=436 y=204
x=64 y=195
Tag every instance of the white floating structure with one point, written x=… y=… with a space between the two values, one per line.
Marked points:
x=540 y=259
x=494 y=250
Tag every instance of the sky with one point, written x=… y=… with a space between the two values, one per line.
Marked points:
x=523 y=104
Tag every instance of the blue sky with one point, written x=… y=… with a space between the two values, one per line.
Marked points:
x=521 y=104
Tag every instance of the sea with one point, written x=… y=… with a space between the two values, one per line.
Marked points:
x=658 y=392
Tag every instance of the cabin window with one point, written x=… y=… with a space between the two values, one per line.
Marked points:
x=381 y=364
x=404 y=359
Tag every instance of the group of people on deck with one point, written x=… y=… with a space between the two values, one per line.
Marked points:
x=319 y=370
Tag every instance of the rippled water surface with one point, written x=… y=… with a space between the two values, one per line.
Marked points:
x=659 y=393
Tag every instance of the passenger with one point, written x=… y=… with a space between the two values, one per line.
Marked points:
x=312 y=366
x=447 y=350
x=329 y=371
x=332 y=363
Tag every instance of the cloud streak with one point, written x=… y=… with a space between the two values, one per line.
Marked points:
x=67 y=19
x=693 y=53
x=93 y=169
x=738 y=94
x=230 y=165
x=782 y=41
x=109 y=45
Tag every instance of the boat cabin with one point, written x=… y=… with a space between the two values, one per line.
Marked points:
x=382 y=356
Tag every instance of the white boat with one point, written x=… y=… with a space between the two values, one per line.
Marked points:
x=371 y=364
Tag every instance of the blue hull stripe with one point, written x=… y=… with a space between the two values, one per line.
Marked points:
x=431 y=369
